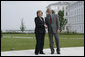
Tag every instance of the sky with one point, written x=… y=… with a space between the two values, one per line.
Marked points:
x=12 y=12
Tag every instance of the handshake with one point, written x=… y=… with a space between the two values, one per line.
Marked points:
x=46 y=26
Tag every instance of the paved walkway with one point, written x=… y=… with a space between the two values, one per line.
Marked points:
x=71 y=51
x=15 y=37
x=34 y=37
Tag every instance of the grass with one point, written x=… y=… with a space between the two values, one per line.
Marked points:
x=29 y=43
x=20 y=35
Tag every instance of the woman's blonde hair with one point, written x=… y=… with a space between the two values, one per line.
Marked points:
x=39 y=12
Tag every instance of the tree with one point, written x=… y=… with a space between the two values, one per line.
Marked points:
x=63 y=21
x=22 y=27
x=53 y=12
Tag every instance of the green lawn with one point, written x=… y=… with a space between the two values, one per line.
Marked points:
x=29 y=43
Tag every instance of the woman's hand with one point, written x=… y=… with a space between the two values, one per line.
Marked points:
x=46 y=26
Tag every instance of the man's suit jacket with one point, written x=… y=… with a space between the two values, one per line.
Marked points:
x=39 y=25
x=54 y=26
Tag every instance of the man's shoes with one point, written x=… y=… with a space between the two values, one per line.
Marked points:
x=58 y=51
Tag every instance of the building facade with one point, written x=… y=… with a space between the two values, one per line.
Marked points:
x=74 y=13
x=58 y=6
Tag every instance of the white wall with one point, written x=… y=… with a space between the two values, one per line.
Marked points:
x=75 y=16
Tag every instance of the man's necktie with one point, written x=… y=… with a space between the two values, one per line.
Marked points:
x=50 y=19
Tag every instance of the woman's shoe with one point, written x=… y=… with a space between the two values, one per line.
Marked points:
x=42 y=52
x=52 y=51
x=36 y=53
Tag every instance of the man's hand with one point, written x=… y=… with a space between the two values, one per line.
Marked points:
x=58 y=31
x=45 y=26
